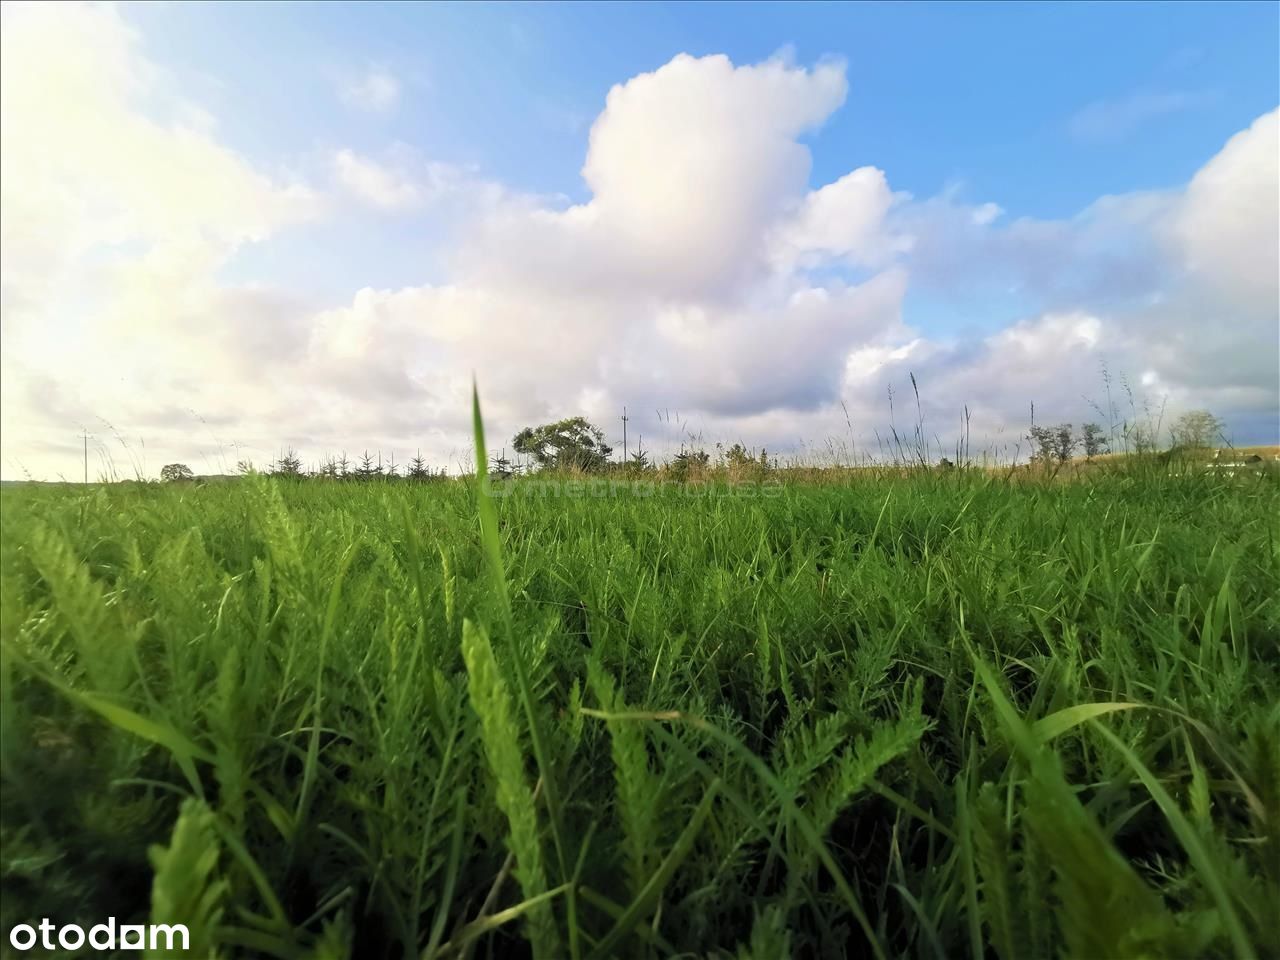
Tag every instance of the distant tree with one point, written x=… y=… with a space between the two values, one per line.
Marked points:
x=1063 y=442
x=639 y=461
x=500 y=467
x=1042 y=444
x=288 y=465
x=1196 y=429
x=1093 y=440
x=368 y=469
x=739 y=456
x=418 y=468
x=176 y=472
x=344 y=465
x=1052 y=444
x=687 y=463
x=570 y=444
x=242 y=466
x=741 y=460
x=328 y=469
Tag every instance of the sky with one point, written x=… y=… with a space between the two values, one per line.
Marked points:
x=229 y=230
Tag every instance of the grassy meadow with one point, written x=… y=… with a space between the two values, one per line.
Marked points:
x=932 y=715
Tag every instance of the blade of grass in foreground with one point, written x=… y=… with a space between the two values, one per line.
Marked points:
x=489 y=540
x=1046 y=728
x=492 y=703
x=1191 y=842
x=493 y=554
x=183 y=751
x=1106 y=909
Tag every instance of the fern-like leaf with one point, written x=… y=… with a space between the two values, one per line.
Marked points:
x=187 y=888
x=501 y=737
x=637 y=787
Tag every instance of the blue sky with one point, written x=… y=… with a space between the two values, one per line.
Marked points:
x=980 y=95
x=982 y=99
x=480 y=133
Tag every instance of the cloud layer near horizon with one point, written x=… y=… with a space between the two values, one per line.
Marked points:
x=705 y=276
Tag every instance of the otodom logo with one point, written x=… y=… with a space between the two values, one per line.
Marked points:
x=171 y=938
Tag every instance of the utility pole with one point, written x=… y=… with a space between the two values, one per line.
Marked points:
x=624 y=435
x=86 y=456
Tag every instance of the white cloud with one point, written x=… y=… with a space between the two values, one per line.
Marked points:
x=1116 y=118
x=844 y=220
x=625 y=298
x=84 y=168
x=403 y=182
x=1225 y=223
x=985 y=214
x=375 y=183
x=377 y=90
x=688 y=167
x=1180 y=286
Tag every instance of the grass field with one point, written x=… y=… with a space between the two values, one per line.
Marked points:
x=937 y=716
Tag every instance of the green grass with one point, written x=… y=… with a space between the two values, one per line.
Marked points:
x=936 y=716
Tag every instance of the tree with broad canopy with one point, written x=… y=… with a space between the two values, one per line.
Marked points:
x=570 y=444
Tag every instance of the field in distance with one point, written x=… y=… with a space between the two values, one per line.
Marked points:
x=944 y=714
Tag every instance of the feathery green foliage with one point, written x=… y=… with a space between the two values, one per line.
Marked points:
x=187 y=888
x=913 y=714
x=501 y=736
